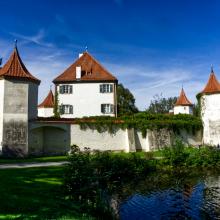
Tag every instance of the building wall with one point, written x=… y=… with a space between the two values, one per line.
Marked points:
x=1 y=112
x=86 y=100
x=32 y=100
x=183 y=110
x=99 y=141
x=48 y=139
x=56 y=138
x=45 y=112
x=210 y=112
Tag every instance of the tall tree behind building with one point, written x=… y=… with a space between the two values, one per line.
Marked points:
x=161 y=105
x=126 y=101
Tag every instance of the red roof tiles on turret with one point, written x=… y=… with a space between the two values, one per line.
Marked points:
x=15 y=68
x=212 y=86
x=92 y=70
x=48 y=101
x=183 y=100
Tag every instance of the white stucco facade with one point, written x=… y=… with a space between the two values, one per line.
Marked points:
x=45 y=112
x=210 y=113
x=183 y=110
x=86 y=99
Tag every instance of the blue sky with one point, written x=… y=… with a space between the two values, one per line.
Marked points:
x=151 y=46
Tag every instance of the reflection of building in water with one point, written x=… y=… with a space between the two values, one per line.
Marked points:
x=169 y=204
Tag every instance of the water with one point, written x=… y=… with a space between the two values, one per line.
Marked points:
x=181 y=195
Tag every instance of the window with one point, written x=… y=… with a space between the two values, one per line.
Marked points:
x=66 y=89
x=107 y=108
x=66 y=109
x=106 y=88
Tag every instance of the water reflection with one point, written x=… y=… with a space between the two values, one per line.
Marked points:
x=191 y=197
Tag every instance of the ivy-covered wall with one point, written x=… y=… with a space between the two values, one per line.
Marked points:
x=139 y=132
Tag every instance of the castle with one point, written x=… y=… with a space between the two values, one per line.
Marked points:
x=85 y=88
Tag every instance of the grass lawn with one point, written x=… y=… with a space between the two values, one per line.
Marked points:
x=35 y=193
x=34 y=159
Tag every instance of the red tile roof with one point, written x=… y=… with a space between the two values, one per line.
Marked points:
x=182 y=99
x=92 y=70
x=48 y=101
x=15 y=68
x=212 y=86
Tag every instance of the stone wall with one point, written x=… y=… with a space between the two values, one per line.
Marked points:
x=56 y=138
x=48 y=139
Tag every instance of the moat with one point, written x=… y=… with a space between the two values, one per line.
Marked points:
x=173 y=195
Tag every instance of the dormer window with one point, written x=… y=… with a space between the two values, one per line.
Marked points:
x=106 y=88
x=66 y=89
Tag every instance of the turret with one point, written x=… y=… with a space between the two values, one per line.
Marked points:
x=183 y=105
x=45 y=109
x=18 y=105
x=209 y=99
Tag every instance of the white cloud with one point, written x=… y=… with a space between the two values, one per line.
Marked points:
x=145 y=82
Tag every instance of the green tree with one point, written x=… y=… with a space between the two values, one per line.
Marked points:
x=126 y=101
x=55 y=108
x=161 y=105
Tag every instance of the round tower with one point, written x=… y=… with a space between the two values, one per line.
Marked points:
x=18 y=105
x=209 y=99
x=183 y=105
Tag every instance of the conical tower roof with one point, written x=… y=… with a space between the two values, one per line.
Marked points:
x=212 y=86
x=183 y=100
x=15 y=68
x=48 y=101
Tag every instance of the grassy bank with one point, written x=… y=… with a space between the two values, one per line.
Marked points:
x=35 y=193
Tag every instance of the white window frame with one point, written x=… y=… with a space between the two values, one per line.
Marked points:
x=66 y=109
x=106 y=88
x=107 y=108
x=65 y=89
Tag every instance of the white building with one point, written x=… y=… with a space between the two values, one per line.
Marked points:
x=45 y=109
x=86 y=89
x=183 y=105
x=18 y=105
x=210 y=110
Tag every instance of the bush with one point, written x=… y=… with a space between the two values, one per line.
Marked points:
x=176 y=154
x=179 y=155
x=92 y=177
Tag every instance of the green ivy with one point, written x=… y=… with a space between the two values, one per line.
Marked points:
x=142 y=122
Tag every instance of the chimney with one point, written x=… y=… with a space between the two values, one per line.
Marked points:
x=80 y=54
x=78 y=72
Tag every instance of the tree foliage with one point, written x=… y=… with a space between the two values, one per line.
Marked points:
x=126 y=101
x=161 y=105
x=55 y=108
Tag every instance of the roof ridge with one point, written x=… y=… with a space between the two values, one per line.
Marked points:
x=86 y=61
x=98 y=62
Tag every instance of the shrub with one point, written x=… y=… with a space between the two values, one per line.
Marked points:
x=92 y=177
x=176 y=154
